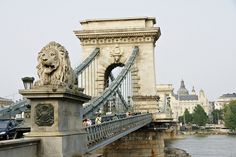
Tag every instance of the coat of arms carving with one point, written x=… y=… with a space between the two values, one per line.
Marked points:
x=44 y=114
x=116 y=53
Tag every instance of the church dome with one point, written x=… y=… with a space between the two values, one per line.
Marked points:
x=182 y=90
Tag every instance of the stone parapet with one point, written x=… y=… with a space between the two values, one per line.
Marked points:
x=20 y=148
x=118 y=23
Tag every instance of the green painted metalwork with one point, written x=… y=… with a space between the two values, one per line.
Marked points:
x=15 y=108
x=86 y=62
x=126 y=105
x=105 y=133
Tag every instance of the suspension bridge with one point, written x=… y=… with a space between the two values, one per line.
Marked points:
x=129 y=44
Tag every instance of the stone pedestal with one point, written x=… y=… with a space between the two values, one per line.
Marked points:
x=141 y=143
x=56 y=117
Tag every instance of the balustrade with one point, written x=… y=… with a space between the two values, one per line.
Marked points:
x=109 y=130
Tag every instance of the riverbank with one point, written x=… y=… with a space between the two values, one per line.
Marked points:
x=175 y=152
x=205 y=132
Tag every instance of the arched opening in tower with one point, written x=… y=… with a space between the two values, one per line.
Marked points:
x=122 y=96
x=112 y=71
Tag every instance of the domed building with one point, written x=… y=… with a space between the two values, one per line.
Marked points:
x=183 y=100
x=182 y=90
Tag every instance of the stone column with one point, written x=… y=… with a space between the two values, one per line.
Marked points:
x=141 y=143
x=56 y=118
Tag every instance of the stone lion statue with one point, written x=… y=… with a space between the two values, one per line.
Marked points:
x=54 y=67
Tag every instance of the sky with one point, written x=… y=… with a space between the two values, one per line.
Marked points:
x=197 y=43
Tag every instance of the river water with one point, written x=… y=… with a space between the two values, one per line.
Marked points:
x=206 y=146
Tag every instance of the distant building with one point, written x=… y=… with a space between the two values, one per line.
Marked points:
x=212 y=105
x=165 y=91
x=5 y=102
x=182 y=100
x=224 y=99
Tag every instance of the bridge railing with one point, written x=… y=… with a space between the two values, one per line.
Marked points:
x=14 y=108
x=102 y=134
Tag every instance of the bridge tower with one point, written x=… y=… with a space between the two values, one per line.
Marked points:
x=116 y=39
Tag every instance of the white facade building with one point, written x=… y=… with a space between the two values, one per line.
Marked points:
x=182 y=100
x=224 y=99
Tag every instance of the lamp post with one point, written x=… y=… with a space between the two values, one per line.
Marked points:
x=28 y=82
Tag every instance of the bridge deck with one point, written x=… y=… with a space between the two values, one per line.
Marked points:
x=107 y=132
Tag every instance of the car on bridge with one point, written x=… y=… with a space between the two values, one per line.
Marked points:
x=7 y=129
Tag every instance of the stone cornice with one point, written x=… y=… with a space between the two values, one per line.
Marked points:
x=90 y=37
x=48 y=92
x=81 y=34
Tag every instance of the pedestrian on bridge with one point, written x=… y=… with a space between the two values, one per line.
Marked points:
x=98 y=119
x=87 y=122
x=115 y=117
x=128 y=114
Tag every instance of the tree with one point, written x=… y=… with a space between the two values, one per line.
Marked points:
x=217 y=115
x=230 y=115
x=199 y=116
x=186 y=118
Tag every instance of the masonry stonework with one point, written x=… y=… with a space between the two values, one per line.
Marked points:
x=124 y=33
x=137 y=144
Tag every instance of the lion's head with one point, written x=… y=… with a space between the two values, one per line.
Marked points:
x=54 y=66
x=49 y=60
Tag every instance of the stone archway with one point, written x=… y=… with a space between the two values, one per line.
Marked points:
x=107 y=63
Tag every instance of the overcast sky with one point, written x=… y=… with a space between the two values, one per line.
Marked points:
x=198 y=41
